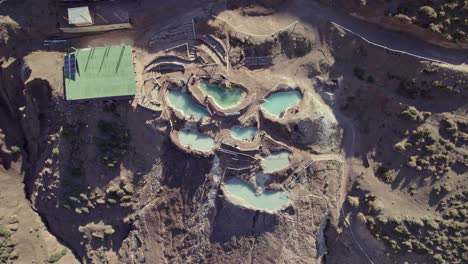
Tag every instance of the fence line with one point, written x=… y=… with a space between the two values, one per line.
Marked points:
x=385 y=47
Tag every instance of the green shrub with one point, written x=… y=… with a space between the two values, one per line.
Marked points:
x=55 y=151
x=412 y=187
x=109 y=231
x=353 y=201
x=57 y=256
x=446 y=187
x=6 y=246
x=384 y=174
x=400 y=146
x=126 y=205
x=74 y=200
x=401 y=229
x=370 y=221
x=411 y=113
x=408 y=245
x=403 y=18
x=426 y=14
x=361 y=217
x=438 y=258
x=450 y=126
x=15 y=149
x=126 y=198
x=4 y=232
x=98 y=234
x=376 y=206
x=84 y=197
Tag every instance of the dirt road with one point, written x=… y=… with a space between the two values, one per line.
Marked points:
x=393 y=40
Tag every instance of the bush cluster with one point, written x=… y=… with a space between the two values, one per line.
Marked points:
x=446 y=18
x=442 y=238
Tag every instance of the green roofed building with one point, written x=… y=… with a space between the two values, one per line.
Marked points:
x=101 y=72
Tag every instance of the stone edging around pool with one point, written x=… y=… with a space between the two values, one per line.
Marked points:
x=174 y=136
x=242 y=145
x=281 y=87
x=199 y=96
x=177 y=112
x=230 y=198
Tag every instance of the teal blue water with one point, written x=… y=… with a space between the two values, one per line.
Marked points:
x=243 y=133
x=223 y=97
x=275 y=162
x=196 y=140
x=245 y=194
x=184 y=103
x=277 y=103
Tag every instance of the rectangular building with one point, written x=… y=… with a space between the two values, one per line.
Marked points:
x=102 y=72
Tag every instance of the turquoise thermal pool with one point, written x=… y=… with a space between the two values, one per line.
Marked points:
x=277 y=103
x=275 y=162
x=242 y=193
x=243 y=133
x=196 y=140
x=223 y=97
x=184 y=103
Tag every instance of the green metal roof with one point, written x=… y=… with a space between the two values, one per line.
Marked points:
x=99 y=72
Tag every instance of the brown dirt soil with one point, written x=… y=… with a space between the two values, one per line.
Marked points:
x=107 y=180
x=34 y=243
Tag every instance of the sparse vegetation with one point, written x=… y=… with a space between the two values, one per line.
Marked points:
x=112 y=141
x=441 y=238
x=7 y=246
x=427 y=151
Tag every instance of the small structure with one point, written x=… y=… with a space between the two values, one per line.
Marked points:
x=96 y=16
x=79 y=16
x=102 y=72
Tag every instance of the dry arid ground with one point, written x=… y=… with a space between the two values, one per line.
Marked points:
x=377 y=144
